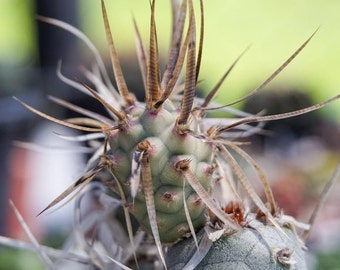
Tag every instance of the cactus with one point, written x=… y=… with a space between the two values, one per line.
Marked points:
x=171 y=164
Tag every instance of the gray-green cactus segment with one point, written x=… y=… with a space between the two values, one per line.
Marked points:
x=260 y=247
x=167 y=148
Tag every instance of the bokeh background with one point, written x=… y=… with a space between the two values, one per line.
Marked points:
x=298 y=157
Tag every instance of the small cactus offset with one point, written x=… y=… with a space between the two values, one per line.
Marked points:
x=173 y=168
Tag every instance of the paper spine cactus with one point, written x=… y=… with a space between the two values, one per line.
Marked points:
x=172 y=165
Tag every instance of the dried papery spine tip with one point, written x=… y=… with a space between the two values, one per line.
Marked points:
x=58 y=121
x=183 y=166
x=121 y=84
x=237 y=170
x=153 y=81
x=187 y=215
x=268 y=191
x=200 y=46
x=215 y=89
x=120 y=115
x=254 y=119
x=277 y=71
x=41 y=252
x=141 y=55
x=178 y=17
x=321 y=201
x=175 y=73
x=95 y=116
x=80 y=183
x=146 y=178
x=190 y=76
x=76 y=32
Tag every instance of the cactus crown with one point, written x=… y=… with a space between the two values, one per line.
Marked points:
x=170 y=163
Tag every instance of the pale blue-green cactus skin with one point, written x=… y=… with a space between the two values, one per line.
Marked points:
x=252 y=248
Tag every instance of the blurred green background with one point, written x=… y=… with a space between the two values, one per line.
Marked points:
x=274 y=29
